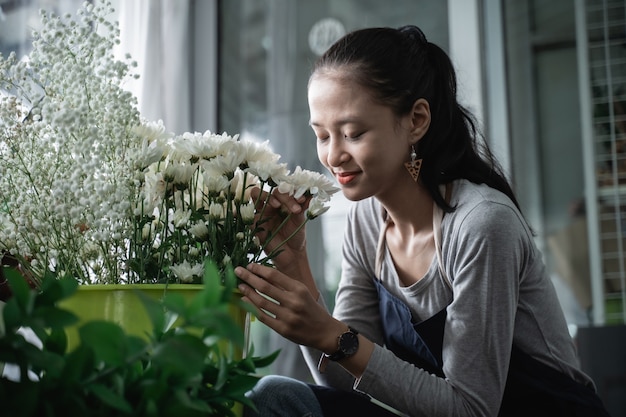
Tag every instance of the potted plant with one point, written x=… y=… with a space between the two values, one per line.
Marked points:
x=92 y=191
x=187 y=371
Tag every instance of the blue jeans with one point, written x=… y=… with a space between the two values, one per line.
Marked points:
x=279 y=396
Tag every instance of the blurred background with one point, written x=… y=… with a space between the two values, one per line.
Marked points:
x=546 y=79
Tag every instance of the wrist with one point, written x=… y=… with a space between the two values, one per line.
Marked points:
x=345 y=344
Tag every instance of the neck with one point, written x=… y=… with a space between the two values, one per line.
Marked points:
x=410 y=210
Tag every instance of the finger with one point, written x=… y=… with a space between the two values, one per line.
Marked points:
x=259 y=283
x=267 y=309
x=261 y=304
x=273 y=276
x=287 y=202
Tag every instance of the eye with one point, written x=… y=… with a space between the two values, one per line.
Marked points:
x=353 y=135
x=321 y=137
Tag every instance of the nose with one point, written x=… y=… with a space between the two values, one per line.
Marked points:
x=335 y=152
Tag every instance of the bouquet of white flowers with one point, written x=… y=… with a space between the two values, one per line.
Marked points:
x=90 y=190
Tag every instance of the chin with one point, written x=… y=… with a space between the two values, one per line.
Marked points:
x=353 y=195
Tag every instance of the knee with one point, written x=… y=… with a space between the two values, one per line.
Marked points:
x=275 y=387
x=282 y=396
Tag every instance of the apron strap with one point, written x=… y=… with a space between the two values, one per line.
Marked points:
x=438 y=214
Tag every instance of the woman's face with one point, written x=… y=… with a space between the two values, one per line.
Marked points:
x=362 y=143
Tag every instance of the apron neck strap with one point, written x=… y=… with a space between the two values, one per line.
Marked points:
x=438 y=214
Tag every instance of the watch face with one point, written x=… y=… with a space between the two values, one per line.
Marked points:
x=349 y=343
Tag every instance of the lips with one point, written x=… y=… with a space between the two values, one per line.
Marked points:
x=345 y=177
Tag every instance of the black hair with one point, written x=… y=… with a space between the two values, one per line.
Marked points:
x=399 y=66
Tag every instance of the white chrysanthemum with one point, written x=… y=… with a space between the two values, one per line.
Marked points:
x=215 y=183
x=247 y=212
x=150 y=153
x=181 y=218
x=147 y=231
x=179 y=174
x=303 y=181
x=216 y=211
x=151 y=131
x=316 y=208
x=268 y=170
x=226 y=164
x=199 y=230
x=194 y=146
x=255 y=152
x=241 y=185
x=154 y=189
x=186 y=272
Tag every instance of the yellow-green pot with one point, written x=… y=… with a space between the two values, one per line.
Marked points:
x=120 y=304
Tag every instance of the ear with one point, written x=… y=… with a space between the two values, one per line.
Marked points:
x=420 y=119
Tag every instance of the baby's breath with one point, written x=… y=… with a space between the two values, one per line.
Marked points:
x=89 y=189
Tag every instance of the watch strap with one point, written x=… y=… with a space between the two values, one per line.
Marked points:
x=341 y=353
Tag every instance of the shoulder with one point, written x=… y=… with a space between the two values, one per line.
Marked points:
x=484 y=212
x=482 y=203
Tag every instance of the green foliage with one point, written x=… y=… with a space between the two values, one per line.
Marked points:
x=191 y=369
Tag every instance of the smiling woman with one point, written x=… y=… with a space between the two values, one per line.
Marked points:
x=444 y=305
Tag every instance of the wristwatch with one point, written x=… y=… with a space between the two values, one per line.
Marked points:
x=347 y=345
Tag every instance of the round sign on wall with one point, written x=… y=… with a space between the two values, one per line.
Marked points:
x=324 y=33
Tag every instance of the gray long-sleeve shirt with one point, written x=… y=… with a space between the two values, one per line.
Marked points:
x=501 y=294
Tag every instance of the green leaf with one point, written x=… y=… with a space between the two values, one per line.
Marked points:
x=55 y=317
x=238 y=385
x=222 y=376
x=22 y=293
x=212 y=289
x=57 y=341
x=154 y=309
x=182 y=353
x=263 y=361
x=79 y=364
x=107 y=340
x=175 y=301
x=45 y=361
x=12 y=316
x=230 y=282
x=54 y=290
x=109 y=397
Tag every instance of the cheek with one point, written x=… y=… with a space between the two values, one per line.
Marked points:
x=322 y=155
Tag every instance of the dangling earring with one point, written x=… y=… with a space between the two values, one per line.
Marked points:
x=414 y=165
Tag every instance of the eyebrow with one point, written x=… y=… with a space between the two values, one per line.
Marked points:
x=340 y=122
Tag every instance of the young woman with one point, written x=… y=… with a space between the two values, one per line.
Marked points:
x=444 y=307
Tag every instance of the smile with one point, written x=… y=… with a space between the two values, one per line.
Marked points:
x=345 y=177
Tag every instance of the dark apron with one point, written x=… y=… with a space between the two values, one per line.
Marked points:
x=532 y=388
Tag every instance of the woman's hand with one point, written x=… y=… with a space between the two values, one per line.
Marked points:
x=280 y=216
x=291 y=310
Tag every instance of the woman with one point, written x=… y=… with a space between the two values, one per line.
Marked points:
x=444 y=307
